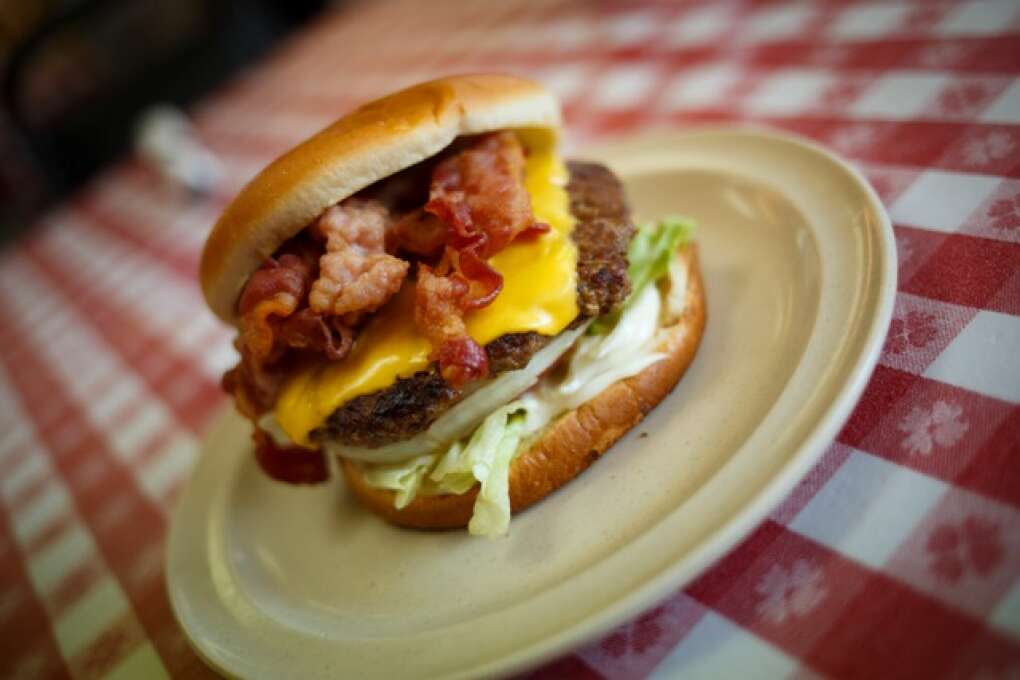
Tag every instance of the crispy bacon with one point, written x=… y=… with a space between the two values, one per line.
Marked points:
x=273 y=319
x=479 y=194
x=438 y=313
x=462 y=360
x=419 y=233
x=356 y=275
x=534 y=231
x=272 y=294
x=310 y=330
x=292 y=464
x=307 y=300
x=483 y=283
x=242 y=384
x=274 y=291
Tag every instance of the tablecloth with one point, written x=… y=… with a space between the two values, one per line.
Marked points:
x=897 y=556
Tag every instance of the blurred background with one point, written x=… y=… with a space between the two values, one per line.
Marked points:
x=78 y=73
x=110 y=362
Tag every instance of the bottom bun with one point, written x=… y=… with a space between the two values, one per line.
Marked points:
x=571 y=443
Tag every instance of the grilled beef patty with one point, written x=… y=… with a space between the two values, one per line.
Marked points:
x=601 y=233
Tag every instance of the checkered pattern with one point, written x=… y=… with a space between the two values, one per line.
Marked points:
x=897 y=556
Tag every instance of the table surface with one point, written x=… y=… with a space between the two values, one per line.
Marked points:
x=898 y=555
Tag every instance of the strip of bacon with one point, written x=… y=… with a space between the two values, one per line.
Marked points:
x=438 y=313
x=479 y=194
x=418 y=233
x=256 y=381
x=249 y=397
x=272 y=294
x=273 y=319
x=484 y=283
x=356 y=275
x=310 y=330
x=294 y=465
x=274 y=291
x=307 y=300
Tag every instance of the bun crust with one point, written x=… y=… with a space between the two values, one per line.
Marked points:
x=369 y=144
x=572 y=442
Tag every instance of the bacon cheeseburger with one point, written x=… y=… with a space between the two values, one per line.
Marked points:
x=425 y=291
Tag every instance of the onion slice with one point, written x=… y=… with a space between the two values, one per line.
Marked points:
x=461 y=419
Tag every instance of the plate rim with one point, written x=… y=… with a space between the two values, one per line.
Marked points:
x=737 y=526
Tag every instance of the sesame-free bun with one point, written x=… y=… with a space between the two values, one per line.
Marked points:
x=572 y=442
x=365 y=146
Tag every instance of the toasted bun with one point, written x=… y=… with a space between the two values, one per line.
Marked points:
x=573 y=441
x=369 y=144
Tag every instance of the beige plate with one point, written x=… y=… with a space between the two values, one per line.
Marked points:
x=273 y=581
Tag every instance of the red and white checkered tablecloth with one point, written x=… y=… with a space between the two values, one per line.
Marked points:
x=898 y=556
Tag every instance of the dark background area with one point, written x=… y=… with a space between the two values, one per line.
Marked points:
x=77 y=73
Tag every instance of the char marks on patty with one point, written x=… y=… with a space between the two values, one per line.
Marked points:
x=601 y=233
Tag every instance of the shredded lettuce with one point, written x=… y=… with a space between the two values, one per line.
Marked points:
x=405 y=478
x=648 y=256
x=491 y=468
x=653 y=248
x=484 y=459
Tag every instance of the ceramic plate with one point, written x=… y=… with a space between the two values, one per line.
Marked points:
x=799 y=264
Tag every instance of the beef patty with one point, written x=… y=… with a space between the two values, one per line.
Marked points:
x=601 y=233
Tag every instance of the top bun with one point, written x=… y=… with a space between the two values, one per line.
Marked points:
x=372 y=142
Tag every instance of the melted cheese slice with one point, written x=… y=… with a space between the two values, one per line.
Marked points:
x=539 y=294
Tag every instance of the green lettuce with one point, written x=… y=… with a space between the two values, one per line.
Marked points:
x=404 y=478
x=483 y=459
x=490 y=465
x=648 y=257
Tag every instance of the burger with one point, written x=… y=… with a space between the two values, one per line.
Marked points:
x=432 y=305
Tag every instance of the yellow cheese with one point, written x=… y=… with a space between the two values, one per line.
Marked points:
x=389 y=347
x=539 y=294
